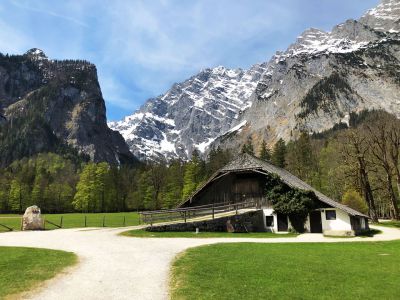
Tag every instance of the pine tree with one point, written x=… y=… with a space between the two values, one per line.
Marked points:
x=278 y=154
x=248 y=147
x=189 y=180
x=264 y=152
x=300 y=159
x=172 y=192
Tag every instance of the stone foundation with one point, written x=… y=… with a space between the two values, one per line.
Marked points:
x=339 y=232
x=247 y=222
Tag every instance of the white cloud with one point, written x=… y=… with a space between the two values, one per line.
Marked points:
x=27 y=5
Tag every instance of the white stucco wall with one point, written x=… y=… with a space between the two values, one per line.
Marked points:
x=270 y=212
x=342 y=222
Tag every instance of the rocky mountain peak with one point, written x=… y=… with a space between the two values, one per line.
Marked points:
x=36 y=54
x=191 y=115
x=385 y=17
x=313 y=85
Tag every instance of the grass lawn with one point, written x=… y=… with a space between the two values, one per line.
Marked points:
x=288 y=271
x=395 y=224
x=147 y=234
x=364 y=234
x=23 y=268
x=74 y=220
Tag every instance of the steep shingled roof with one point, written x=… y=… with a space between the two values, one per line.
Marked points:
x=248 y=162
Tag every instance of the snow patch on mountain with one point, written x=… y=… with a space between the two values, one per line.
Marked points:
x=193 y=114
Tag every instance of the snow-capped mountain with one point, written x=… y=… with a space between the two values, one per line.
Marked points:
x=323 y=77
x=191 y=114
x=313 y=85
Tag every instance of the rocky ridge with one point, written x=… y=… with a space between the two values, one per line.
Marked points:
x=313 y=85
x=57 y=106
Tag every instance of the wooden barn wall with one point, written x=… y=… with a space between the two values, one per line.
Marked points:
x=232 y=188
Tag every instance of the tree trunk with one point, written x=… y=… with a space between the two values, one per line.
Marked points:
x=367 y=190
x=392 y=196
x=398 y=180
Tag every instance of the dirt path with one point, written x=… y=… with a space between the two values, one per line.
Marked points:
x=118 y=267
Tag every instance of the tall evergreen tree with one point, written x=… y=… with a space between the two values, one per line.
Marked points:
x=299 y=157
x=189 y=179
x=248 y=147
x=278 y=154
x=264 y=153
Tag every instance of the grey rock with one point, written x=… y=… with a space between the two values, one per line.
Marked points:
x=32 y=219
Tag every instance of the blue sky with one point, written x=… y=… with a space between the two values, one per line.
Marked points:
x=141 y=48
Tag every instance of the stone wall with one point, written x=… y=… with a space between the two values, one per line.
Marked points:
x=247 y=222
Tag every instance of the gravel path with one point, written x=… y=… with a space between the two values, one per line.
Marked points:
x=118 y=267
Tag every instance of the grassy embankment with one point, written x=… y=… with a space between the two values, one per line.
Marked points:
x=288 y=271
x=21 y=269
x=76 y=220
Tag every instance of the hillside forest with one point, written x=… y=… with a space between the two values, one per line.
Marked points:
x=356 y=164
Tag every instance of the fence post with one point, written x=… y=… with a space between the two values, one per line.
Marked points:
x=184 y=215
x=236 y=208
x=124 y=221
x=85 y=221
x=61 y=222
x=213 y=211
x=151 y=220
x=104 y=221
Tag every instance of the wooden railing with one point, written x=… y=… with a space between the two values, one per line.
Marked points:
x=183 y=214
x=6 y=227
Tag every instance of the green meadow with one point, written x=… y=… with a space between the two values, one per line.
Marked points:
x=21 y=269
x=76 y=220
x=368 y=270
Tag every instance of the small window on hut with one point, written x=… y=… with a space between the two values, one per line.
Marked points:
x=269 y=221
x=330 y=214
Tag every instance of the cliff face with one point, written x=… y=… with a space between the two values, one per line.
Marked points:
x=323 y=77
x=56 y=106
x=191 y=114
x=313 y=85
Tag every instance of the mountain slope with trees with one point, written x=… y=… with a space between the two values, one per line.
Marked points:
x=357 y=165
x=54 y=106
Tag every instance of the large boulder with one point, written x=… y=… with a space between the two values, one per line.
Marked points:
x=32 y=219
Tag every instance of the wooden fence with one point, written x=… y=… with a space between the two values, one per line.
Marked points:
x=15 y=223
x=183 y=214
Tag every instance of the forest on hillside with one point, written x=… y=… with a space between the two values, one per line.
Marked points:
x=356 y=165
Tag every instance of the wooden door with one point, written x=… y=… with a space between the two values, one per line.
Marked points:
x=282 y=222
x=315 y=222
